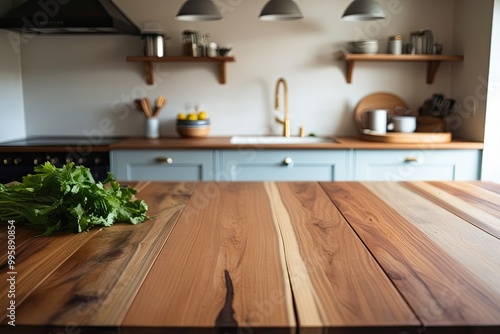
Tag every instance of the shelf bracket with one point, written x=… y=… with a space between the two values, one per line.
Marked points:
x=433 y=61
x=349 y=70
x=150 y=76
x=222 y=77
x=432 y=68
x=150 y=61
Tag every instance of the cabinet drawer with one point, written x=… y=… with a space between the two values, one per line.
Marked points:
x=427 y=165
x=159 y=165
x=283 y=165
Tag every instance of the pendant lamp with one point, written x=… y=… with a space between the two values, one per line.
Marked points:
x=363 y=10
x=198 y=10
x=280 y=10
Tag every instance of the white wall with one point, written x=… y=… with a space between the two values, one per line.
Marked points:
x=73 y=84
x=470 y=78
x=491 y=157
x=12 y=125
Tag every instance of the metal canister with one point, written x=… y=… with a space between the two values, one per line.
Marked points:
x=154 y=44
x=395 y=45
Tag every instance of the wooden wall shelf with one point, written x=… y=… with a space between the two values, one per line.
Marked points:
x=148 y=63
x=433 y=61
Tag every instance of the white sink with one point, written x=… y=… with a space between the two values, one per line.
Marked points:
x=279 y=140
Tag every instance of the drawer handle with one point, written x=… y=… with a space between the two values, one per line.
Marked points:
x=288 y=161
x=411 y=159
x=164 y=160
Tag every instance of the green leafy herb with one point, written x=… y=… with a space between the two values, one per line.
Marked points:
x=68 y=199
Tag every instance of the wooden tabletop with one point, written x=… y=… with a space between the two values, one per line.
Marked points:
x=290 y=257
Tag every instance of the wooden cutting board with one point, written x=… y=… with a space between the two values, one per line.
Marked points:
x=394 y=105
x=409 y=138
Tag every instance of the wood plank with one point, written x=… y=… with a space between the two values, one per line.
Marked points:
x=97 y=283
x=223 y=266
x=488 y=185
x=476 y=250
x=169 y=59
x=335 y=280
x=408 y=138
x=37 y=257
x=430 y=267
x=474 y=204
x=403 y=57
x=342 y=143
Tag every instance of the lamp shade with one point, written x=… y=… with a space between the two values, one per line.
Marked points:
x=198 y=10
x=363 y=10
x=280 y=10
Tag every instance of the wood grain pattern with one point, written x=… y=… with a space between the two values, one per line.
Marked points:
x=478 y=206
x=277 y=257
x=226 y=231
x=335 y=280
x=403 y=57
x=33 y=270
x=488 y=185
x=408 y=138
x=224 y=143
x=442 y=289
x=97 y=282
x=392 y=103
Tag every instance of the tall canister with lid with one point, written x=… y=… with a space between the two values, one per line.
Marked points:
x=154 y=44
x=395 y=46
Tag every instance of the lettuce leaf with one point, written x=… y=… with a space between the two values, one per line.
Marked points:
x=68 y=199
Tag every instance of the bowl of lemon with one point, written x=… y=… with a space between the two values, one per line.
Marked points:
x=193 y=124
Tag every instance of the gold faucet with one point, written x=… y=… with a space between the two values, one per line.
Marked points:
x=285 y=121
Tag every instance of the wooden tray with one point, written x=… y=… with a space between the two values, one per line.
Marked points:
x=394 y=104
x=409 y=138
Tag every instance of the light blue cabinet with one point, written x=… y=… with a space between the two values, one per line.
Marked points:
x=295 y=165
x=163 y=165
x=406 y=165
x=283 y=165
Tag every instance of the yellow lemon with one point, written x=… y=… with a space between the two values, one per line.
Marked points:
x=181 y=116
x=192 y=116
x=202 y=115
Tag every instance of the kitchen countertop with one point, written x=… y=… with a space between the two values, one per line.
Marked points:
x=140 y=143
x=352 y=257
x=342 y=143
x=82 y=145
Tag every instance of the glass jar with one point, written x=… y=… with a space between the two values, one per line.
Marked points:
x=395 y=45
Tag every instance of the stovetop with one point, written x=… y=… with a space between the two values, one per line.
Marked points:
x=62 y=141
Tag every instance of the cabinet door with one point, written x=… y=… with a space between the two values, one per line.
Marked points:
x=159 y=165
x=283 y=165
x=430 y=165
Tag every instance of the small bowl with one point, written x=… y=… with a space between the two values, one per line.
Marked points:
x=187 y=131
x=193 y=128
x=367 y=46
x=199 y=122
x=224 y=51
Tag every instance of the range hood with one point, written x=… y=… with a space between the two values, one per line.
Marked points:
x=56 y=17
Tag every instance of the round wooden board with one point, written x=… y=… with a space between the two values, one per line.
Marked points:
x=409 y=138
x=394 y=104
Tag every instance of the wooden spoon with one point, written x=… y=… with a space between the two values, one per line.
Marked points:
x=160 y=103
x=146 y=106
x=138 y=106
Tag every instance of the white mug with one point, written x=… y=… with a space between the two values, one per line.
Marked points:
x=376 y=120
x=406 y=124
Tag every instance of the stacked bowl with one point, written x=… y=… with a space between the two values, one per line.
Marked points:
x=193 y=128
x=367 y=46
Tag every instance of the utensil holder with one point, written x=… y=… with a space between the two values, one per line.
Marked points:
x=152 y=127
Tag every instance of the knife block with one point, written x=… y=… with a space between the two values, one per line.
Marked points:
x=430 y=124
